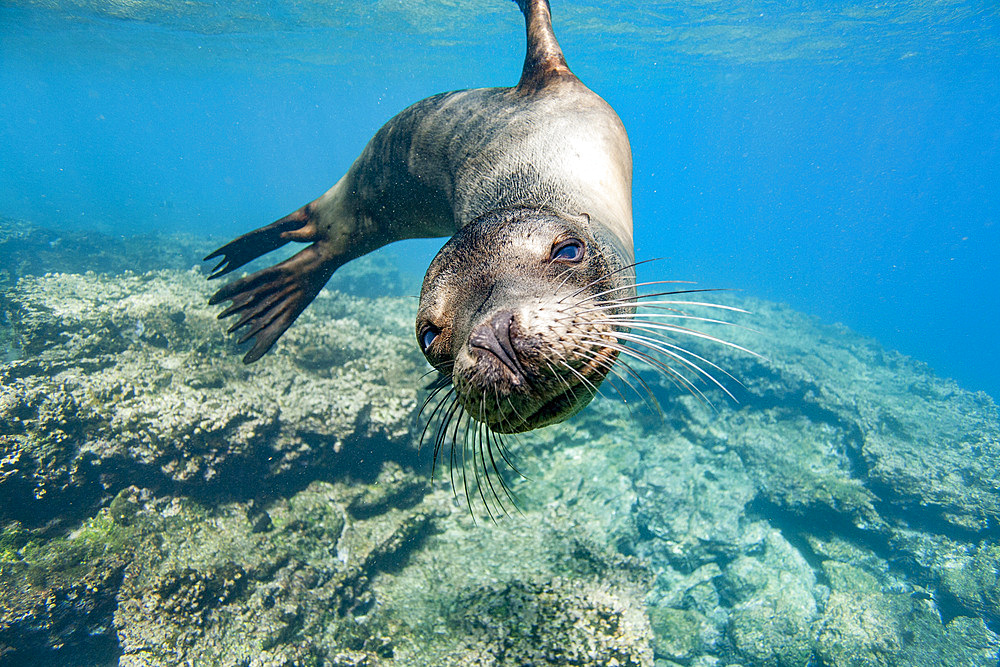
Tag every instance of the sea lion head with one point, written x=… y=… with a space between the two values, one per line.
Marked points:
x=518 y=311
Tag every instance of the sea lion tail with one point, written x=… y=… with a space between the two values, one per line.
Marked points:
x=544 y=60
x=269 y=300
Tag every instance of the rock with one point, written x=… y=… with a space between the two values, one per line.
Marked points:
x=867 y=622
x=554 y=623
x=160 y=500
x=680 y=634
x=774 y=605
x=923 y=450
x=211 y=589
x=690 y=501
x=116 y=389
x=58 y=594
x=531 y=590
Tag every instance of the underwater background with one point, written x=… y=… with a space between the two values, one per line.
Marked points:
x=835 y=164
x=839 y=157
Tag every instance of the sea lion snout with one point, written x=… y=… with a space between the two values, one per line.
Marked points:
x=493 y=338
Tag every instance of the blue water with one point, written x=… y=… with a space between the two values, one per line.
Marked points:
x=843 y=157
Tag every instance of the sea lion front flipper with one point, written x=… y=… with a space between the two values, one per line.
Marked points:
x=269 y=300
x=297 y=226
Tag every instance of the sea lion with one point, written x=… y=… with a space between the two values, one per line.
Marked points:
x=518 y=310
x=532 y=302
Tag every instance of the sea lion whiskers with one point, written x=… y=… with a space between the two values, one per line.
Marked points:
x=455 y=406
x=558 y=376
x=436 y=385
x=594 y=391
x=669 y=372
x=565 y=275
x=449 y=401
x=465 y=482
x=635 y=320
x=457 y=427
x=677 y=352
x=430 y=419
x=634 y=299
x=636 y=323
x=505 y=450
x=492 y=435
x=610 y=366
x=649 y=397
x=618 y=313
x=474 y=446
x=608 y=275
x=439 y=372
x=663 y=304
x=483 y=444
x=610 y=369
x=470 y=441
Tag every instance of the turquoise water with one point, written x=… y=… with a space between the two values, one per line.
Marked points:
x=163 y=504
x=837 y=156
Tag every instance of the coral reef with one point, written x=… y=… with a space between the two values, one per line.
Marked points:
x=162 y=504
x=220 y=587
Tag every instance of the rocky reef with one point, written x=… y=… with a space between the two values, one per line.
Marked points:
x=163 y=504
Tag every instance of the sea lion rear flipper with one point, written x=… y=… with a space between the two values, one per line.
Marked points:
x=544 y=60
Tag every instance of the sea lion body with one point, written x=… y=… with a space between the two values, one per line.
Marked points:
x=454 y=157
x=533 y=183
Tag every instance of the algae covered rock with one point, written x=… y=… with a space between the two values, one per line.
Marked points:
x=555 y=623
x=878 y=432
x=536 y=589
x=214 y=589
x=773 y=604
x=691 y=501
x=866 y=623
x=130 y=379
x=680 y=634
x=58 y=594
x=162 y=504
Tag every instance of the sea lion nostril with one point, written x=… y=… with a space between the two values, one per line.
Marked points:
x=501 y=324
x=494 y=337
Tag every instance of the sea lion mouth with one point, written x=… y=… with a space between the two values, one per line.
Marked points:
x=515 y=395
x=555 y=409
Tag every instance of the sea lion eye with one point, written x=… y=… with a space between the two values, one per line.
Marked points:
x=570 y=250
x=428 y=336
